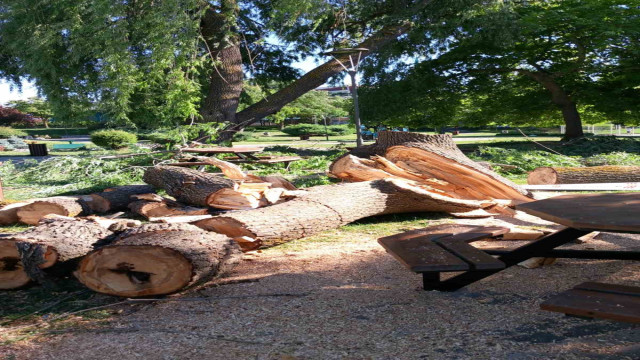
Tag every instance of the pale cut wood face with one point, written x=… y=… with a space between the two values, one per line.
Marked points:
x=135 y=270
x=606 y=212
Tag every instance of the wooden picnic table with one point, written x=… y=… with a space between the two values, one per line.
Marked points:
x=242 y=152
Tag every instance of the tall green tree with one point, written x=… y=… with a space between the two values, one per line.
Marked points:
x=524 y=61
x=35 y=106
x=152 y=62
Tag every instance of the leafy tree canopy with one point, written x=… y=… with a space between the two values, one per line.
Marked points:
x=516 y=62
x=150 y=63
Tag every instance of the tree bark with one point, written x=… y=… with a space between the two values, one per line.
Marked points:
x=55 y=242
x=117 y=198
x=158 y=259
x=225 y=84
x=155 y=209
x=329 y=207
x=186 y=185
x=583 y=175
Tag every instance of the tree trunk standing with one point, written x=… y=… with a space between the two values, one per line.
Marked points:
x=225 y=84
x=560 y=97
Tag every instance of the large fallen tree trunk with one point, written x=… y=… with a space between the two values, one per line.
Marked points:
x=583 y=175
x=432 y=160
x=186 y=185
x=157 y=259
x=331 y=206
x=54 y=243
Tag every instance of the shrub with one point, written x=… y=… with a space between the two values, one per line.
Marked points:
x=113 y=139
x=303 y=129
x=13 y=143
x=341 y=129
x=7 y=132
x=243 y=136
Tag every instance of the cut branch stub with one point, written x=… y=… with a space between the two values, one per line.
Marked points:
x=157 y=259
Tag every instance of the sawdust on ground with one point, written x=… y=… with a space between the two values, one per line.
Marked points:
x=351 y=300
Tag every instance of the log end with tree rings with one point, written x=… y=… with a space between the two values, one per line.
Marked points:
x=158 y=259
x=12 y=272
x=542 y=176
x=135 y=271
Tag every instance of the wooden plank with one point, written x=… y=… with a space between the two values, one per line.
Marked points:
x=478 y=259
x=609 y=288
x=628 y=186
x=436 y=231
x=595 y=212
x=420 y=254
x=595 y=304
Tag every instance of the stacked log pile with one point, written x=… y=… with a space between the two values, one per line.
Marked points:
x=191 y=242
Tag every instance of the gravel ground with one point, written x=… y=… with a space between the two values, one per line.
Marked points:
x=351 y=300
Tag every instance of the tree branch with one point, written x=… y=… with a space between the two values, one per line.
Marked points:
x=318 y=76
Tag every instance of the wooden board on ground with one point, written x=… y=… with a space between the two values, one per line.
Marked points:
x=610 y=212
x=598 y=300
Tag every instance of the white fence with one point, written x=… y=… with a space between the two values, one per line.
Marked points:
x=610 y=129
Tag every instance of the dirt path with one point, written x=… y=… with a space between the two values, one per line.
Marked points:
x=321 y=299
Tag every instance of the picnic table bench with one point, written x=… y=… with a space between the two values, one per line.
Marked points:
x=582 y=214
x=598 y=300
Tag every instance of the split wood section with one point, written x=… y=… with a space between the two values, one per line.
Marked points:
x=584 y=175
x=157 y=259
x=433 y=163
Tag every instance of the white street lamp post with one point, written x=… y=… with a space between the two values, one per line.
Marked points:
x=352 y=70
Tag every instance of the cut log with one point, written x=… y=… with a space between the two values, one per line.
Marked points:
x=60 y=205
x=158 y=259
x=9 y=213
x=186 y=185
x=117 y=198
x=331 y=206
x=583 y=175
x=153 y=209
x=54 y=242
